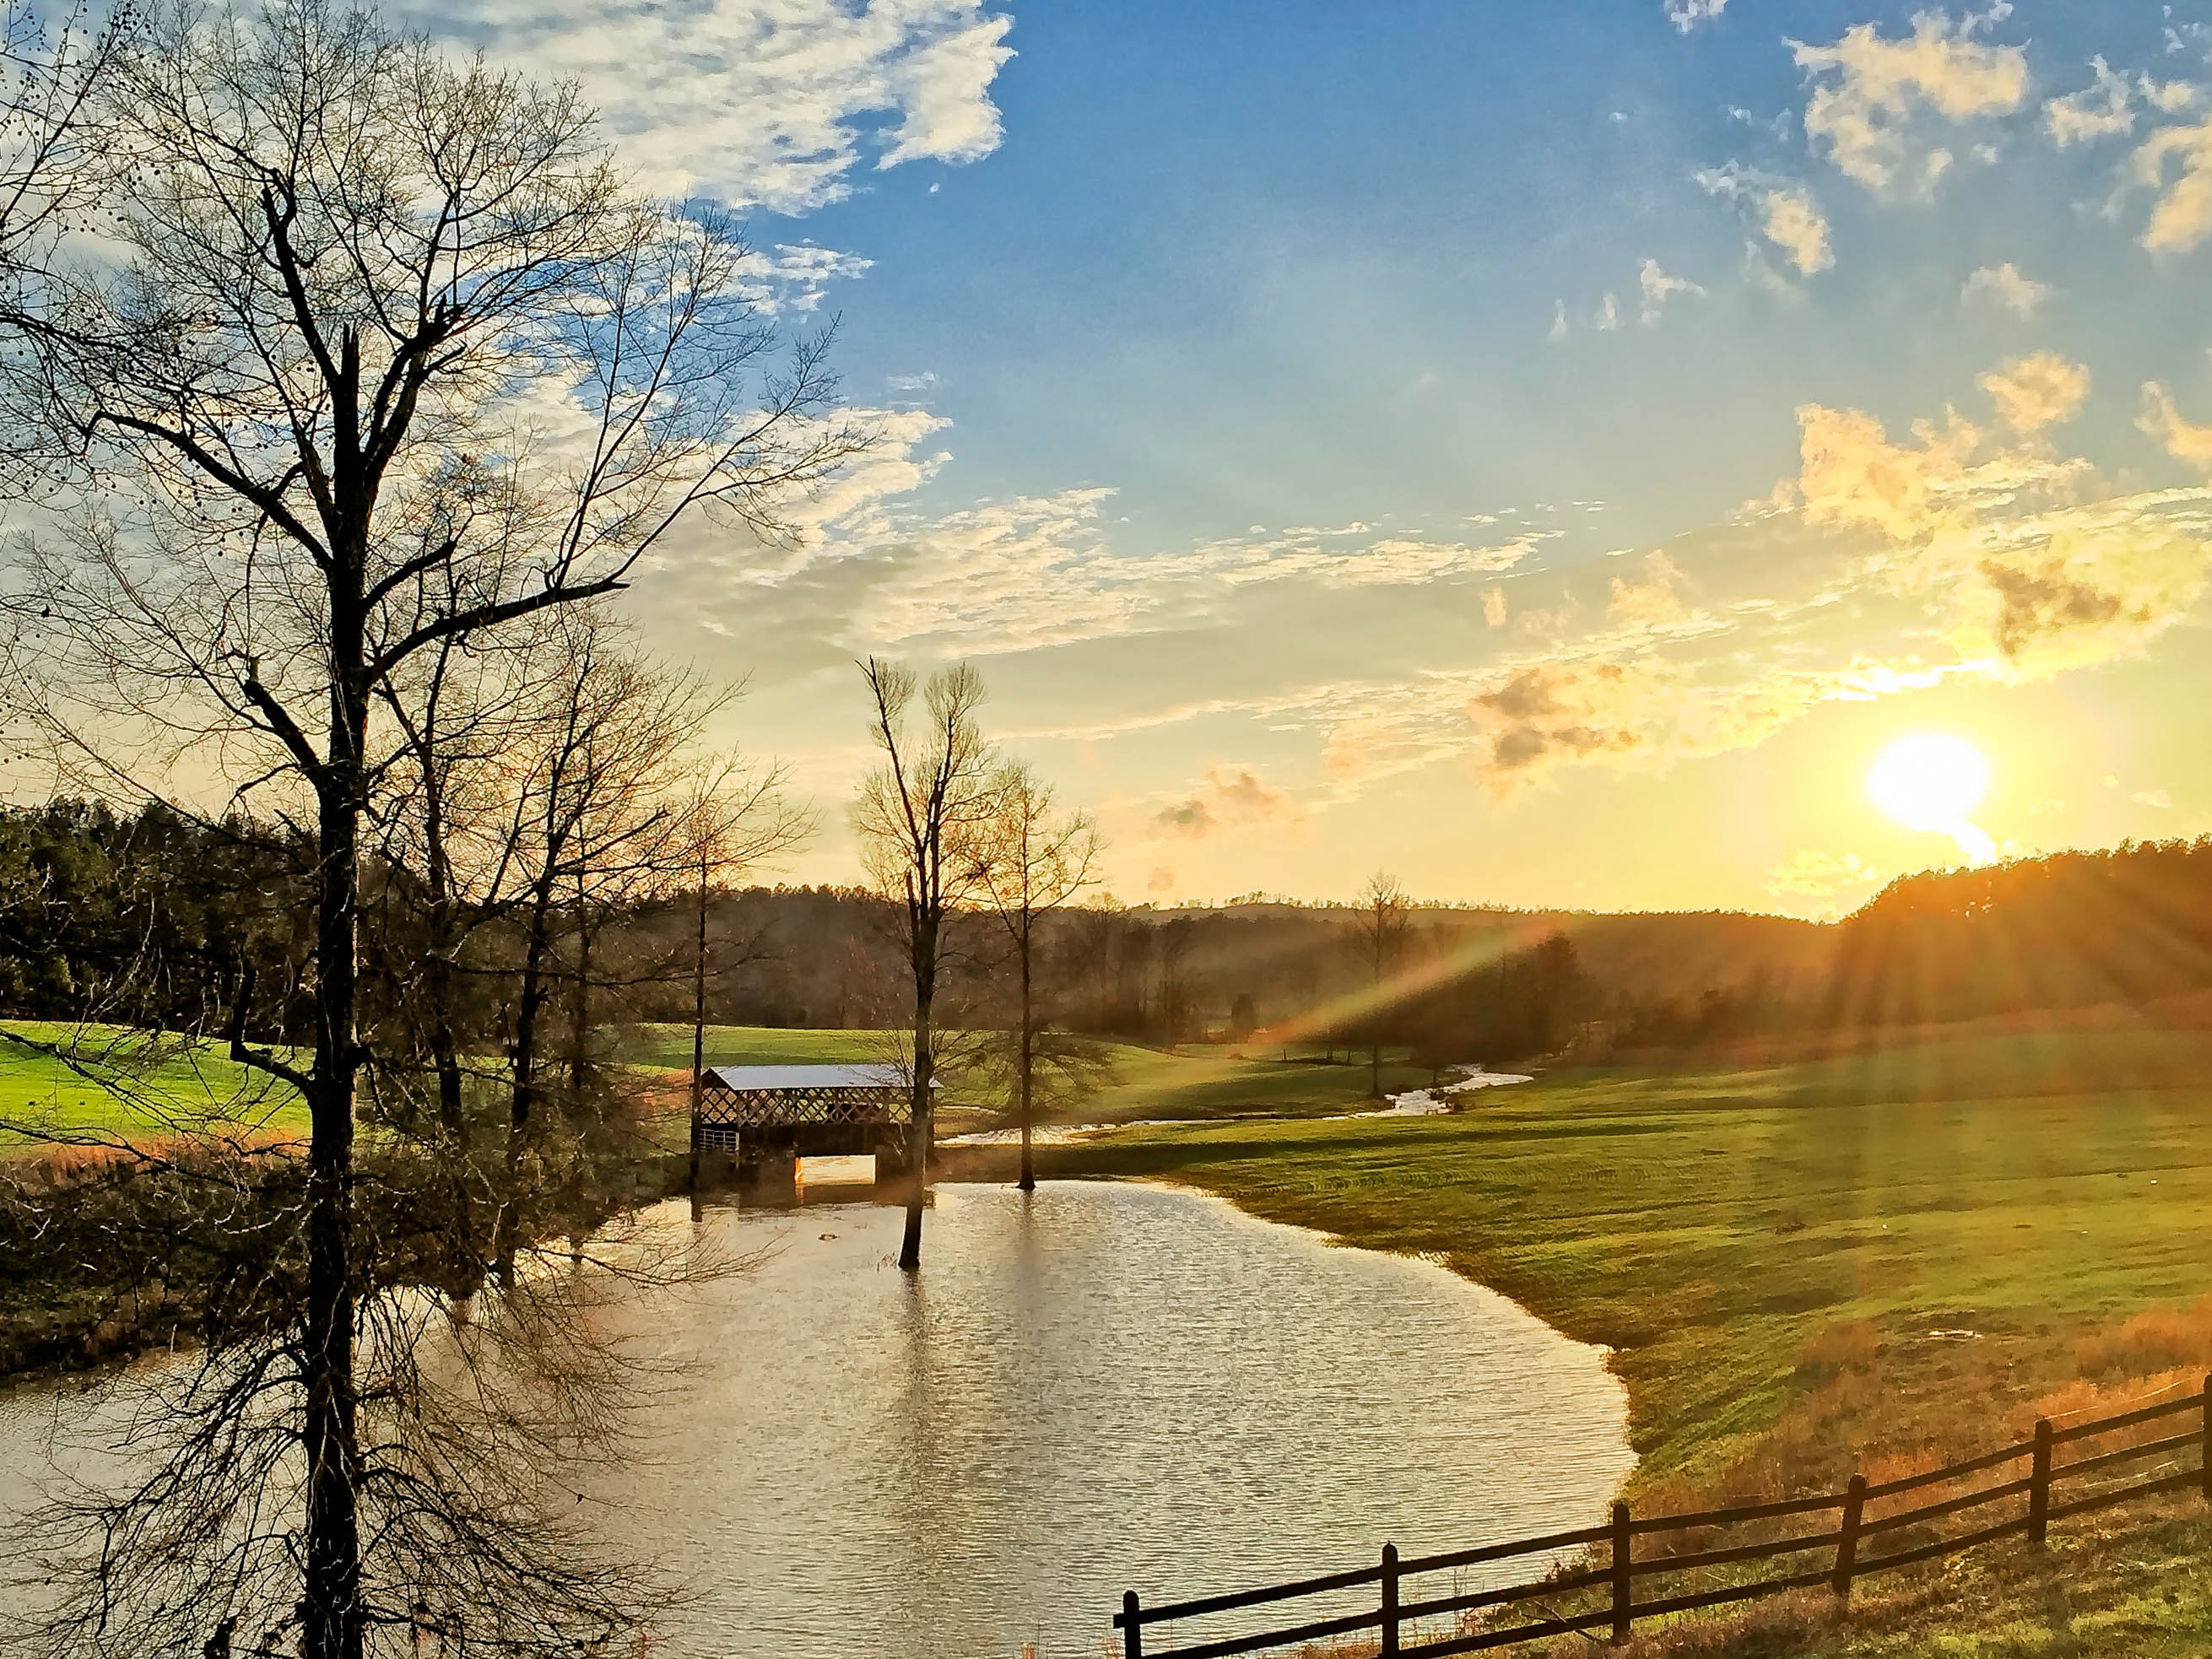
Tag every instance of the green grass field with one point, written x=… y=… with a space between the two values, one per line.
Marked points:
x=1230 y=1082
x=1195 y=1082
x=1731 y=1232
x=158 y=1086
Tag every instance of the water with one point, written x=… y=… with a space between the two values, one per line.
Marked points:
x=1105 y=1386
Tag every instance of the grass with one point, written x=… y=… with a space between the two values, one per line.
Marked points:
x=160 y=1084
x=1223 y=1082
x=1192 y=1082
x=1805 y=1268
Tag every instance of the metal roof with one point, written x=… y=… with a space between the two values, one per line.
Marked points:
x=875 y=1075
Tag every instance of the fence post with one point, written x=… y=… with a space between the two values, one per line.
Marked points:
x=1847 y=1548
x=2039 y=1485
x=2205 y=1455
x=1623 y=1579
x=1132 y=1633
x=1389 y=1647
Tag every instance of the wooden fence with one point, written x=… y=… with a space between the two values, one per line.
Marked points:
x=1844 y=1550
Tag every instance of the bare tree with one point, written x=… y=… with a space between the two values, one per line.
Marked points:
x=1034 y=859
x=1378 y=940
x=736 y=819
x=386 y=355
x=922 y=818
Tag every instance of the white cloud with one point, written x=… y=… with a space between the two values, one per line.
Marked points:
x=795 y=275
x=1559 y=328
x=769 y=103
x=1786 y=213
x=2157 y=798
x=1038 y=571
x=1607 y=318
x=1870 y=91
x=1686 y=15
x=2103 y=109
x=1796 y=226
x=2003 y=287
x=1658 y=287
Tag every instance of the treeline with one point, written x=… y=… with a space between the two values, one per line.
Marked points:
x=153 y=918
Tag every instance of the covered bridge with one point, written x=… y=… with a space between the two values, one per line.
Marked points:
x=757 y=1114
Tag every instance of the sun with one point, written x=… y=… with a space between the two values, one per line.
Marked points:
x=1933 y=781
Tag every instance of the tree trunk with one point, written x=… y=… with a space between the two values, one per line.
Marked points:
x=331 y=1601
x=1028 y=1182
x=698 y=1026
x=530 y=1005
x=920 y=1132
x=579 y=1010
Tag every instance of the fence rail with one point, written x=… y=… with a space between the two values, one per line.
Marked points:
x=1398 y=1622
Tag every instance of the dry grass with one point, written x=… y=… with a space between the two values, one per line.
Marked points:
x=2156 y=1340
x=1842 y=1345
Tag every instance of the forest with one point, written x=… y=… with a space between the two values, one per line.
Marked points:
x=151 y=919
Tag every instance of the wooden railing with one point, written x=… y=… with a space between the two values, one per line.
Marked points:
x=1836 y=1555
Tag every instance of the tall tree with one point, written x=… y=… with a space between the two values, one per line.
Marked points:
x=345 y=270
x=1378 y=939
x=1034 y=859
x=922 y=819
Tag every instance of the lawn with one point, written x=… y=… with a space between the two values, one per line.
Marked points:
x=668 y=1048
x=1223 y=1082
x=159 y=1084
x=1731 y=1231
x=1191 y=1082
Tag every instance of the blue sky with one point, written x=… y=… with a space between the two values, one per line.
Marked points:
x=1474 y=440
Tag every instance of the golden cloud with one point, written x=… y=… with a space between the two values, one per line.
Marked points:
x=2040 y=390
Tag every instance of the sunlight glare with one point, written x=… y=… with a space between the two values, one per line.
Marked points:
x=1933 y=781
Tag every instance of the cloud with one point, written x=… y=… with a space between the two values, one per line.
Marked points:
x=1162 y=880
x=2003 y=287
x=1824 y=886
x=1230 y=798
x=1607 y=315
x=2163 y=421
x=1794 y=224
x=795 y=275
x=1850 y=473
x=1039 y=571
x=2103 y=109
x=1869 y=91
x=921 y=382
x=2035 y=392
x=1658 y=287
x=2157 y=798
x=1686 y=15
x=1651 y=603
x=766 y=103
x=1558 y=330
x=1493 y=606
x=1787 y=214
x=2182 y=217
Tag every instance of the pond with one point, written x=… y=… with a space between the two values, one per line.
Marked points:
x=1096 y=1387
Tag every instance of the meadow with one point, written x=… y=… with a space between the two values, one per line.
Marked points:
x=1197 y=1081
x=158 y=1084
x=1812 y=1268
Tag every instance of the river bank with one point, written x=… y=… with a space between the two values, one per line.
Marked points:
x=1805 y=1269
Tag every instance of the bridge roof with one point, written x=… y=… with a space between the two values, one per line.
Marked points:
x=864 y=1075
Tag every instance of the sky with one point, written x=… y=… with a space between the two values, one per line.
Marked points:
x=1545 y=452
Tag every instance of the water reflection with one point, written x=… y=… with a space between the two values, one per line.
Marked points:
x=1096 y=1387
